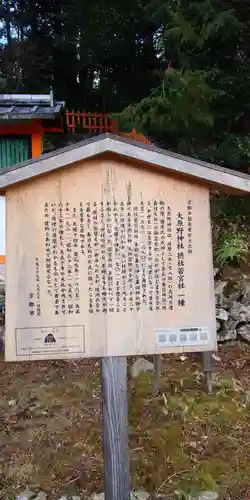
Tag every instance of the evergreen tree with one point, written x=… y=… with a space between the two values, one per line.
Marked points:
x=201 y=107
x=96 y=55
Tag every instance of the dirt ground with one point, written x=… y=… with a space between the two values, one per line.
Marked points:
x=51 y=437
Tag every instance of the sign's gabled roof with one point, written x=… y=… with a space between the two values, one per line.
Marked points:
x=149 y=156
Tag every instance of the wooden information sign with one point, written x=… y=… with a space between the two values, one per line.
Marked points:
x=109 y=254
x=108 y=260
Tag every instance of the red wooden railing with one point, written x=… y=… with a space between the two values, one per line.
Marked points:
x=93 y=122
x=80 y=122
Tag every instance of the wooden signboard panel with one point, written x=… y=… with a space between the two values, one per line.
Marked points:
x=106 y=259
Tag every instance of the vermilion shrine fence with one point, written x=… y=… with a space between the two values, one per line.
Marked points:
x=95 y=123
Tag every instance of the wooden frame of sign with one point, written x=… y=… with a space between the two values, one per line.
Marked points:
x=109 y=254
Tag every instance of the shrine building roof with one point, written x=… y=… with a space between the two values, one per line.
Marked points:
x=15 y=107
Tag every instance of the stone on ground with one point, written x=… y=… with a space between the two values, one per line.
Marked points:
x=208 y=495
x=70 y=497
x=140 y=366
x=139 y=495
x=40 y=496
x=25 y=495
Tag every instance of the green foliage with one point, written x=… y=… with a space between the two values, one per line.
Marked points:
x=98 y=56
x=230 y=150
x=177 y=71
x=201 y=108
x=230 y=207
x=48 y=145
x=169 y=113
x=232 y=248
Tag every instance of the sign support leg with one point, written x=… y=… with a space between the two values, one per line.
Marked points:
x=115 y=428
x=157 y=373
x=207 y=359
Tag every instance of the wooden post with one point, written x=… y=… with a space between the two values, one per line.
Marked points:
x=207 y=360
x=115 y=428
x=157 y=373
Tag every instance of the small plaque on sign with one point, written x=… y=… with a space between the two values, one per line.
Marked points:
x=50 y=343
x=182 y=337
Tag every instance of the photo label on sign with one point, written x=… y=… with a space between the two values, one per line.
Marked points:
x=49 y=342
x=182 y=337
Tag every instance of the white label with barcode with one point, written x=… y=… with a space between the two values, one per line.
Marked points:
x=182 y=337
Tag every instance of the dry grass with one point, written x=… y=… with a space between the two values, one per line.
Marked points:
x=50 y=435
